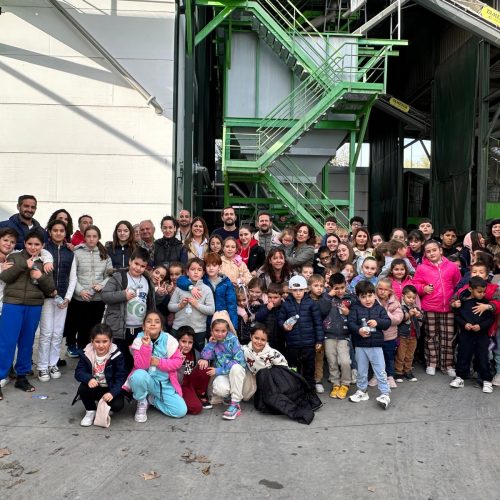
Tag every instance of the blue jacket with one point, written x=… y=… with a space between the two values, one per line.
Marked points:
x=376 y=312
x=335 y=323
x=275 y=335
x=225 y=354
x=14 y=222
x=308 y=330
x=119 y=256
x=465 y=315
x=63 y=259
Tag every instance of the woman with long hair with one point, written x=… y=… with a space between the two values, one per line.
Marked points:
x=302 y=250
x=196 y=242
x=123 y=244
x=276 y=268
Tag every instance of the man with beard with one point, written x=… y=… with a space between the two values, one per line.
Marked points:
x=184 y=221
x=228 y=217
x=266 y=236
x=23 y=221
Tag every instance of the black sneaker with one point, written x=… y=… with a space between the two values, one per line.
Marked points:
x=61 y=362
x=410 y=377
x=205 y=402
x=398 y=377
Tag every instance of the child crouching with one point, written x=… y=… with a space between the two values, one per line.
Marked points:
x=101 y=372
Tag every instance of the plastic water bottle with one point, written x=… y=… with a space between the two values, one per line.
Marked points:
x=366 y=328
x=188 y=309
x=58 y=300
x=291 y=321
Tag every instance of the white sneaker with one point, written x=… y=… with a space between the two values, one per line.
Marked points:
x=451 y=372
x=457 y=383
x=319 y=388
x=141 y=412
x=88 y=419
x=43 y=375
x=392 y=382
x=487 y=387
x=373 y=382
x=430 y=370
x=5 y=381
x=358 y=396
x=384 y=400
x=495 y=381
x=54 y=372
x=354 y=376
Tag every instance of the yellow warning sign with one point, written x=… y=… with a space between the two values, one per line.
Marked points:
x=396 y=103
x=491 y=15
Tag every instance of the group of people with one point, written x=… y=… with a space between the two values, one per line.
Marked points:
x=194 y=318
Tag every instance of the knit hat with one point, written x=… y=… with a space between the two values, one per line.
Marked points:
x=297 y=283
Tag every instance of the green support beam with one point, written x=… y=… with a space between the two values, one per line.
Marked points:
x=219 y=18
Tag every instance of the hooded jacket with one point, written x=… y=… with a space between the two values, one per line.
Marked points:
x=253 y=256
x=376 y=312
x=169 y=250
x=15 y=222
x=395 y=313
x=235 y=271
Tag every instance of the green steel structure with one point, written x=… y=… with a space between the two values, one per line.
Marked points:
x=336 y=87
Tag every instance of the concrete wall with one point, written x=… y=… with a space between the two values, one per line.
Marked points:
x=73 y=132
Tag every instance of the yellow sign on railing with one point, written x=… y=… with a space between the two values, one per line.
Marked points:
x=396 y=103
x=491 y=15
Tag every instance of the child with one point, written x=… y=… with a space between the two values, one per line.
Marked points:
x=267 y=314
x=408 y=332
x=245 y=316
x=307 y=270
x=256 y=293
x=215 y=244
x=367 y=320
x=395 y=250
x=232 y=264
x=305 y=335
x=426 y=228
x=55 y=308
x=194 y=382
x=473 y=338
x=101 y=372
x=399 y=276
x=287 y=237
x=414 y=251
x=154 y=377
x=347 y=270
x=322 y=259
x=435 y=280
x=392 y=306
x=229 y=369
x=368 y=273
x=26 y=287
x=128 y=294
x=335 y=309
x=316 y=285
x=191 y=311
x=343 y=235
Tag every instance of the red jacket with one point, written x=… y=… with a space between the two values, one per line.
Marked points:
x=444 y=277
x=77 y=238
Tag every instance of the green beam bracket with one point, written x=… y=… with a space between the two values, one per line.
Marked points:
x=189 y=28
x=219 y=18
x=352 y=173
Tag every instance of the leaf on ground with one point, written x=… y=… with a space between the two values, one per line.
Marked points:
x=147 y=476
x=190 y=457
x=206 y=470
x=4 y=452
x=371 y=489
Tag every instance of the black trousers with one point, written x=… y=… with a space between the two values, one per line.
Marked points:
x=473 y=344
x=124 y=346
x=82 y=317
x=302 y=358
x=90 y=396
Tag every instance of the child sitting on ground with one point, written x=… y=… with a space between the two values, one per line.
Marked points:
x=367 y=320
x=101 y=372
x=229 y=370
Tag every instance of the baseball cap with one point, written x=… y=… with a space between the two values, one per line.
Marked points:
x=297 y=283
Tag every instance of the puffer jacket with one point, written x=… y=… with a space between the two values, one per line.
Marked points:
x=308 y=330
x=444 y=276
x=15 y=222
x=235 y=271
x=114 y=296
x=19 y=288
x=298 y=256
x=397 y=286
x=169 y=250
x=395 y=313
x=376 y=312
x=63 y=259
x=90 y=270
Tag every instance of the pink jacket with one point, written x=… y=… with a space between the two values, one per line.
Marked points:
x=395 y=313
x=397 y=286
x=444 y=277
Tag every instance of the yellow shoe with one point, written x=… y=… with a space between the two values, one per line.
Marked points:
x=342 y=392
x=335 y=391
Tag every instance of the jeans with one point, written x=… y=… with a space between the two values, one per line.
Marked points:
x=389 y=349
x=375 y=356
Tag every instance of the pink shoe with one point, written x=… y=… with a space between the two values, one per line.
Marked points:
x=373 y=382
x=391 y=382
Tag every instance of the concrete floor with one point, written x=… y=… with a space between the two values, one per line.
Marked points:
x=434 y=442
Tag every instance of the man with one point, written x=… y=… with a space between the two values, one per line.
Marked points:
x=84 y=221
x=426 y=227
x=266 y=236
x=147 y=241
x=184 y=221
x=23 y=221
x=228 y=217
x=330 y=228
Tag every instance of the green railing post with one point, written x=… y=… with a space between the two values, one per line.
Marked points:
x=352 y=172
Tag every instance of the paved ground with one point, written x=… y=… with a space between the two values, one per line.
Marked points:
x=432 y=443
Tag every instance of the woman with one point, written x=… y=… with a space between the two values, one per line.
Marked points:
x=276 y=269
x=472 y=241
x=332 y=242
x=196 y=244
x=122 y=246
x=302 y=251
x=169 y=249
x=345 y=254
x=249 y=250
x=232 y=264
x=377 y=239
x=362 y=246
x=494 y=238
x=399 y=234
x=93 y=268
x=63 y=215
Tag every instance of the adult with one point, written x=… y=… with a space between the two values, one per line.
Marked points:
x=23 y=221
x=122 y=246
x=196 y=243
x=276 y=269
x=493 y=243
x=84 y=221
x=472 y=241
x=345 y=254
x=184 y=228
x=399 y=234
x=137 y=233
x=302 y=250
x=332 y=242
x=147 y=241
x=251 y=253
x=266 y=236
x=169 y=249
x=377 y=239
x=362 y=246
x=63 y=215
x=228 y=216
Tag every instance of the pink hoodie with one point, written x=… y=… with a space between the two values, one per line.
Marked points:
x=443 y=276
x=397 y=286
